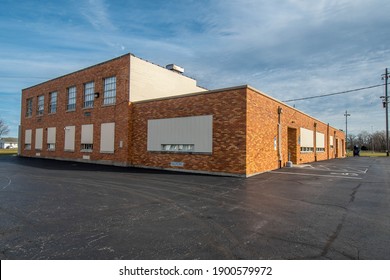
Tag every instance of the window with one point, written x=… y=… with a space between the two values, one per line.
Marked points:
x=41 y=105
x=86 y=147
x=320 y=142
x=331 y=142
x=307 y=149
x=38 y=138
x=53 y=102
x=27 y=139
x=87 y=138
x=89 y=90
x=178 y=147
x=306 y=140
x=29 y=104
x=109 y=91
x=107 y=137
x=51 y=138
x=71 y=106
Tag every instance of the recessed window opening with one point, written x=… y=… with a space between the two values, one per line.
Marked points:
x=29 y=108
x=71 y=106
x=89 y=94
x=41 y=105
x=53 y=102
x=109 y=91
x=86 y=147
x=51 y=147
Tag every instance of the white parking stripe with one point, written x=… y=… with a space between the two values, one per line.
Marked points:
x=315 y=175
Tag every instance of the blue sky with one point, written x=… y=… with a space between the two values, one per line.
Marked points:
x=287 y=49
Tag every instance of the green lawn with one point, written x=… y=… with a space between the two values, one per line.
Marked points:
x=4 y=152
x=367 y=154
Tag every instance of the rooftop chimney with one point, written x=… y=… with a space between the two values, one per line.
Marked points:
x=175 y=68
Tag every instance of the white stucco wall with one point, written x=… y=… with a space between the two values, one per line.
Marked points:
x=150 y=81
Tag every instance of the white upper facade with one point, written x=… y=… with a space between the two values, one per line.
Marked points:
x=149 y=81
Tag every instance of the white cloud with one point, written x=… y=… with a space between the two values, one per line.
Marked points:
x=95 y=11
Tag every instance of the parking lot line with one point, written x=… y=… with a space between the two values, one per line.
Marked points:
x=316 y=175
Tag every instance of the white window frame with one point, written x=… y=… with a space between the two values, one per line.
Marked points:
x=71 y=100
x=53 y=102
x=89 y=94
x=40 y=105
x=29 y=107
x=109 y=95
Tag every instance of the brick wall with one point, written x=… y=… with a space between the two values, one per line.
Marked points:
x=100 y=113
x=245 y=132
x=229 y=122
x=263 y=140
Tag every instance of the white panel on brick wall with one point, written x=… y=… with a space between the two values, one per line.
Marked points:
x=69 y=138
x=38 y=138
x=87 y=134
x=197 y=131
x=331 y=142
x=27 y=136
x=51 y=135
x=307 y=138
x=320 y=140
x=107 y=137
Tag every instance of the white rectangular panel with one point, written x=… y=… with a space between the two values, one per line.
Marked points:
x=196 y=131
x=307 y=138
x=27 y=136
x=38 y=138
x=107 y=138
x=51 y=135
x=69 y=138
x=87 y=134
x=320 y=140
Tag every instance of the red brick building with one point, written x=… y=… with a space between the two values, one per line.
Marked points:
x=130 y=112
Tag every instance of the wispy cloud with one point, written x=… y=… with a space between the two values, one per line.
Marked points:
x=95 y=11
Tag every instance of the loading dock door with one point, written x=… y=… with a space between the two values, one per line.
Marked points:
x=292 y=145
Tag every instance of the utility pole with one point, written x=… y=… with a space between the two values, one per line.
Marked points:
x=385 y=101
x=346 y=128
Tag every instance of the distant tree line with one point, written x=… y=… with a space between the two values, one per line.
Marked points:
x=375 y=141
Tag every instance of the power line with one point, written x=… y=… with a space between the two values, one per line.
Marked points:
x=335 y=93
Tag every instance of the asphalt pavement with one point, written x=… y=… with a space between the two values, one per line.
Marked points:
x=336 y=209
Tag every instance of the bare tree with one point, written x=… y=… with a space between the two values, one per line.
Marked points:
x=351 y=141
x=379 y=140
x=3 y=128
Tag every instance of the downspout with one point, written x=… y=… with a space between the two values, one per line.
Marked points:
x=327 y=142
x=280 y=157
x=315 y=142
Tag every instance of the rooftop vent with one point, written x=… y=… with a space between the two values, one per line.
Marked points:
x=175 y=68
